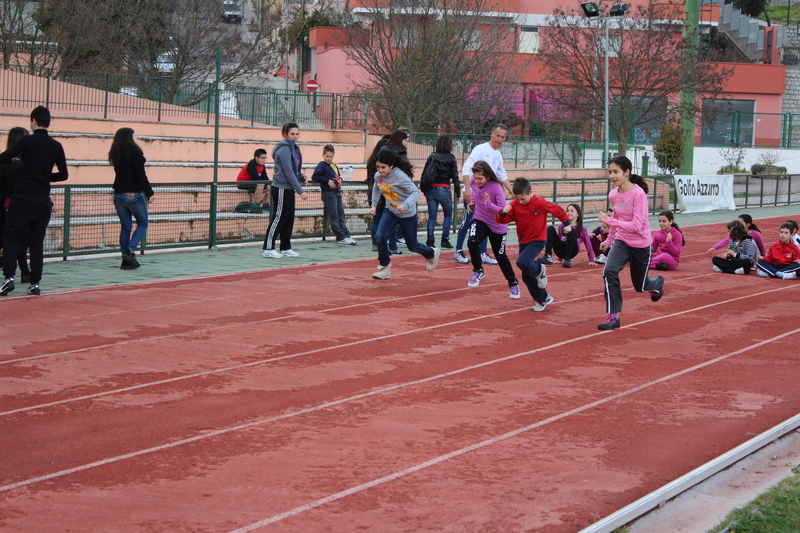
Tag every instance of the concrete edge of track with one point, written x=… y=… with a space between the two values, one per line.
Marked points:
x=649 y=502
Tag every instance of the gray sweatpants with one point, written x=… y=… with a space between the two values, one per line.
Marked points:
x=639 y=259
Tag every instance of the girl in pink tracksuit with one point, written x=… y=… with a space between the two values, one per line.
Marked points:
x=667 y=243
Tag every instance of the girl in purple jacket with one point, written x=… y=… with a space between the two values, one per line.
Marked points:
x=667 y=243
x=487 y=199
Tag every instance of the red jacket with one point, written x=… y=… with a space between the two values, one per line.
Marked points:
x=782 y=253
x=531 y=218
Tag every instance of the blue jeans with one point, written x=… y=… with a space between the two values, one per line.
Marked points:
x=462 y=232
x=439 y=196
x=128 y=208
x=388 y=226
x=531 y=268
x=376 y=222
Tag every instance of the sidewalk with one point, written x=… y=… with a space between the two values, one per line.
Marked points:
x=159 y=265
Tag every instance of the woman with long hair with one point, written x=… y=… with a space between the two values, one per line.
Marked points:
x=286 y=178
x=8 y=179
x=393 y=182
x=439 y=192
x=132 y=193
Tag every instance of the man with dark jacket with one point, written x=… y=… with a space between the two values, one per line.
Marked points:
x=30 y=206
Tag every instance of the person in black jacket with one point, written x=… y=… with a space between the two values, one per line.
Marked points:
x=9 y=174
x=30 y=206
x=132 y=192
x=439 y=193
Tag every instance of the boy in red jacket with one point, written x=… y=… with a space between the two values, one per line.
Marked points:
x=530 y=213
x=783 y=257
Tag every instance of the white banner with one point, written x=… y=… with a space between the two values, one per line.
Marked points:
x=699 y=194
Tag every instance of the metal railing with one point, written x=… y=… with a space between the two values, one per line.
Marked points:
x=181 y=214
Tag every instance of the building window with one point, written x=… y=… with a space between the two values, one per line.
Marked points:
x=728 y=122
x=528 y=40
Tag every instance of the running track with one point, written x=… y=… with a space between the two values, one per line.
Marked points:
x=315 y=399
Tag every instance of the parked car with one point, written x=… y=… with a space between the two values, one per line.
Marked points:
x=232 y=12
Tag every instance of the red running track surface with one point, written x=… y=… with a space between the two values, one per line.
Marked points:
x=317 y=399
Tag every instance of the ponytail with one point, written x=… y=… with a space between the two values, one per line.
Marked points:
x=625 y=164
x=638 y=180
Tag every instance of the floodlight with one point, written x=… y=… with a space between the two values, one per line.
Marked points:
x=590 y=9
x=619 y=10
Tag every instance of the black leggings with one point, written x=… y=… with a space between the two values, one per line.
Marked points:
x=566 y=249
x=729 y=266
x=478 y=232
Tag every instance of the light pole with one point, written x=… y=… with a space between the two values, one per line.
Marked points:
x=592 y=10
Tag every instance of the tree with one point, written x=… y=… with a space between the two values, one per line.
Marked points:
x=753 y=8
x=669 y=147
x=648 y=69
x=430 y=63
x=18 y=33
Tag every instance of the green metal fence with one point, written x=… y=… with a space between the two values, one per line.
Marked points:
x=181 y=214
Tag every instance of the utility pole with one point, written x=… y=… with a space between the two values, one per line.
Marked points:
x=689 y=96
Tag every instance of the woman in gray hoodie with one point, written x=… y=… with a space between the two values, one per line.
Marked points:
x=393 y=182
x=286 y=179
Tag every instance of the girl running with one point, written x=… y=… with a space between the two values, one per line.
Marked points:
x=752 y=230
x=628 y=240
x=393 y=182
x=487 y=199
x=667 y=243
x=742 y=251
x=567 y=244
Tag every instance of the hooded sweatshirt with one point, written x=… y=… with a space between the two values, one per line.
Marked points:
x=288 y=162
x=398 y=189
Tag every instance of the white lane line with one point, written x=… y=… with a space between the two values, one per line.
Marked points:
x=494 y=440
x=317 y=350
x=326 y=405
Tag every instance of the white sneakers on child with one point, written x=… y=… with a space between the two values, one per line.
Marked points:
x=384 y=272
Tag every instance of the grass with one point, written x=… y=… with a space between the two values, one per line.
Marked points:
x=778 y=14
x=775 y=511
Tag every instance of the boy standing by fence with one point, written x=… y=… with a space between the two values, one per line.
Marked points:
x=330 y=183
x=30 y=205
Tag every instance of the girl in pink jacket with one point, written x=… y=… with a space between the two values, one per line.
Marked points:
x=667 y=243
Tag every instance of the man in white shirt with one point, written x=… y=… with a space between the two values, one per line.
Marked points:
x=489 y=152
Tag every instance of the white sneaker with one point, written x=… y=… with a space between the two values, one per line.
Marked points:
x=459 y=257
x=384 y=272
x=763 y=274
x=290 y=253
x=433 y=262
x=487 y=259
x=601 y=259
x=271 y=253
x=350 y=240
x=790 y=275
x=739 y=271
x=541 y=279
x=540 y=307
x=717 y=269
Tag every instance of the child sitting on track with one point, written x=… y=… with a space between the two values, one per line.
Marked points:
x=783 y=257
x=742 y=253
x=530 y=213
x=667 y=243
x=567 y=244
x=795 y=236
x=487 y=199
x=598 y=237
x=752 y=230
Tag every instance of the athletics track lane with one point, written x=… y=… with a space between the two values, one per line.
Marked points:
x=550 y=478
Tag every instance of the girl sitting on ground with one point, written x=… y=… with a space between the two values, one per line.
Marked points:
x=567 y=244
x=741 y=254
x=752 y=230
x=667 y=243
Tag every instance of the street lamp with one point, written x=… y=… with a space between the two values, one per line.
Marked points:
x=592 y=10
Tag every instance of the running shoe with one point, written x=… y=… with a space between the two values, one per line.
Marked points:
x=717 y=269
x=446 y=244
x=601 y=259
x=567 y=263
x=475 y=279
x=611 y=323
x=459 y=257
x=513 y=292
x=740 y=271
x=35 y=290
x=487 y=259
x=541 y=306
x=271 y=253
x=658 y=293
x=433 y=262
x=790 y=275
x=541 y=279
x=761 y=273
x=289 y=253
x=384 y=272
x=8 y=286
x=546 y=259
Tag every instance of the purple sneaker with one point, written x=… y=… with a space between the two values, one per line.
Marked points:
x=514 y=292
x=475 y=279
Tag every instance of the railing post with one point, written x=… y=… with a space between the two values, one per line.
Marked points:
x=212 y=217
x=253 y=108
x=583 y=195
x=105 y=103
x=366 y=114
x=65 y=229
x=160 y=98
x=47 y=93
x=334 y=97
x=746 y=190
x=761 y=194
